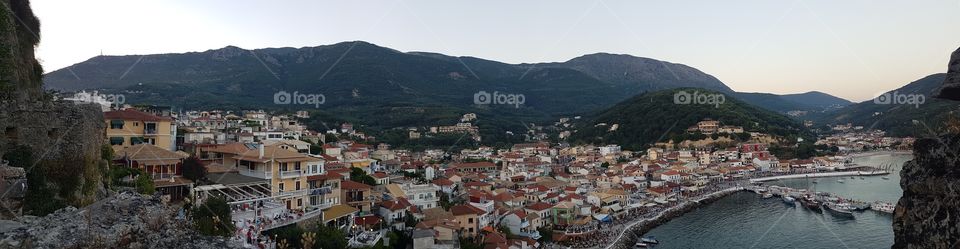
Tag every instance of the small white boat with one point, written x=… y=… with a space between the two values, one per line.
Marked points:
x=789 y=200
x=840 y=180
x=650 y=240
x=885 y=178
x=641 y=245
x=767 y=195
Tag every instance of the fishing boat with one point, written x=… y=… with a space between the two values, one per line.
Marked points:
x=883 y=207
x=840 y=180
x=641 y=245
x=810 y=203
x=836 y=210
x=650 y=240
x=885 y=178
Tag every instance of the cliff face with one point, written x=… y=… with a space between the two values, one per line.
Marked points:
x=928 y=213
x=58 y=143
x=951 y=86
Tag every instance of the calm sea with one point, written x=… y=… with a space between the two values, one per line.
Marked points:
x=744 y=220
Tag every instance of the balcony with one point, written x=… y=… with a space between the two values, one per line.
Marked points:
x=291 y=174
x=149 y=131
x=322 y=205
x=257 y=173
x=292 y=193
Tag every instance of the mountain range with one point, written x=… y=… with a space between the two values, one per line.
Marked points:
x=385 y=88
x=358 y=74
x=910 y=110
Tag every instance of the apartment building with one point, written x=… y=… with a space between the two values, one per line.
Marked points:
x=129 y=127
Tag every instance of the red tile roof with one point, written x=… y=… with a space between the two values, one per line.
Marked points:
x=465 y=210
x=348 y=184
x=540 y=206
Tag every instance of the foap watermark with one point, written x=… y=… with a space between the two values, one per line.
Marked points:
x=895 y=98
x=297 y=98
x=497 y=98
x=106 y=100
x=698 y=98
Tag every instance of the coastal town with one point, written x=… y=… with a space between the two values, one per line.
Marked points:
x=273 y=173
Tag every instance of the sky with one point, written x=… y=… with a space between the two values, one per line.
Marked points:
x=854 y=49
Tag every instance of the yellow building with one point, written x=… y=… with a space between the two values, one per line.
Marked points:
x=287 y=170
x=130 y=127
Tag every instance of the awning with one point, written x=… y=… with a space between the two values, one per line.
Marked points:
x=136 y=140
x=616 y=207
x=338 y=211
x=116 y=140
x=602 y=217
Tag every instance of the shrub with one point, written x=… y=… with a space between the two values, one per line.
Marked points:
x=213 y=218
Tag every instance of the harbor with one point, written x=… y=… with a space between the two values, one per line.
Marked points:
x=748 y=220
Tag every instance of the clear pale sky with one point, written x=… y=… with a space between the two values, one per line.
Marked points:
x=853 y=49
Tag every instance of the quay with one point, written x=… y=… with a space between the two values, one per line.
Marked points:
x=816 y=175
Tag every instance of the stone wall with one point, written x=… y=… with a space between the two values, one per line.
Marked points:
x=65 y=139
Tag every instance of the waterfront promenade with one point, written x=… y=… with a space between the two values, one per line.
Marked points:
x=816 y=175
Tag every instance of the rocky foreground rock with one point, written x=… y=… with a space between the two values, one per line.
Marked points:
x=928 y=213
x=951 y=86
x=125 y=220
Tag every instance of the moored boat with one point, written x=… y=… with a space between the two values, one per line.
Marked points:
x=767 y=195
x=883 y=207
x=650 y=240
x=641 y=245
x=789 y=200
x=810 y=203
x=836 y=210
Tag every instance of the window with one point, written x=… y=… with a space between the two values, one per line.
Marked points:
x=116 y=124
x=281 y=187
x=283 y=166
x=299 y=202
x=136 y=140
x=470 y=221
x=298 y=186
x=116 y=140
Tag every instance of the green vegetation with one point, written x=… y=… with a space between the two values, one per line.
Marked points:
x=317 y=237
x=193 y=169
x=40 y=199
x=213 y=218
x=898 y=119
x=358 y=175
x=142 y=183
x=654 y=117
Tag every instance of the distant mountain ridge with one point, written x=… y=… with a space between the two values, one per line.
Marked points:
x=898 y=118
x=808 y=101
x=371 y=83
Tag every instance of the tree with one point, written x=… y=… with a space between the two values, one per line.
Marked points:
x=546 y=234
x=358 y=175
x=144 y=184
x=409 y=219
x=194 y=169
x=213 y=218
x=329 y=237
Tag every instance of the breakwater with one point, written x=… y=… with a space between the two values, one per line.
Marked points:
x=629 y=236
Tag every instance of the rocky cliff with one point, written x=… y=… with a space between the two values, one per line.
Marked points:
x=928 y=214
x=56 y=143
x=125 y=220
x=951 y=86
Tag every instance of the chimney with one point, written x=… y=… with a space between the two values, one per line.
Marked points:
x=260 y=147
